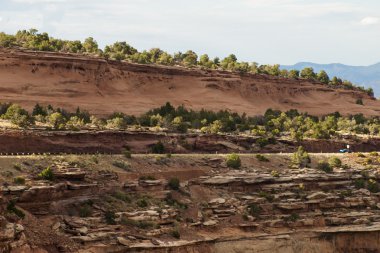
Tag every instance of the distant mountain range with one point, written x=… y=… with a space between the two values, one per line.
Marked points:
x=367 y=76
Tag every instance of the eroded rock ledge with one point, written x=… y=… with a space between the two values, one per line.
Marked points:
x=213 y=209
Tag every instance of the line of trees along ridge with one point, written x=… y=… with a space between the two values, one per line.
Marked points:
x=268 y=127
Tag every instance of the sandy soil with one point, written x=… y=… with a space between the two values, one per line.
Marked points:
x=103 y=87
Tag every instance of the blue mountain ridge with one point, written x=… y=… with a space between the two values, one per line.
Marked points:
x=367 y=76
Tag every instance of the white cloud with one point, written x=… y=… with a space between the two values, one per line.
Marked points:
x=20 y=20
x=292 y=9
x=261 y=30
x=370 y=21
x=38 y=1
x=1 y=19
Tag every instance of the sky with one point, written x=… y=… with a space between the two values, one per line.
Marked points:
x=263 y=31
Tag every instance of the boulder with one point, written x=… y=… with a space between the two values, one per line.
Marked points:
x=82 y=230
x=132 y=186
x=364 y=192
x=317 y=195
x=361 y=221
x=221 y=180
x=291 y=206
x=14 y=189
x=210 y=223
x=75 y=187
x=7 y=232
x=148 y=183
x=336 y=221
x=93 y=237
x=56 y=226
x=70 y=174
x=123 y=241
x=218 y=201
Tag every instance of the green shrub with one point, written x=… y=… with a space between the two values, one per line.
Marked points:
x=262 y=158
x=17 y=166
x=359 y=183
x=367 y=161
x=94 y=159
x=179 y=125
x=139 y=224
x=254 y=210
x=142 y=203
x=301 y=158
x=158 y=148
x=174 y=184
x=146 y=224
x=148 y=177
x=233 y=161
x=169 y=200
x=19 y=180
x=364 y=174
x=85 y=211
x=183 y=128
x=335 y=162
x=374 y=153
x=361 y=155
x=275 y=173
x=128 y=154
x=175 y=233
x=17 y=116
x=262 y=141
x=11 y=207
x=373 y=186
x=117 y=123
x=122 y=165
x=122 y=196
x=46 y=174
x=267 y=196
x=346 y=193
x=293 y=217
x=359 y=101
x=324 y=166
x=110 y=217
x=57 y=120
x=128 y=222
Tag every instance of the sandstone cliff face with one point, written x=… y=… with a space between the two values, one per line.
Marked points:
x=343 y=242
x=216 y=210
x=115 y=142
x=350 y=242
x=103 y=87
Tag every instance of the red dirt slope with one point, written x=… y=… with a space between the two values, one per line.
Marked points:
x=103 y=87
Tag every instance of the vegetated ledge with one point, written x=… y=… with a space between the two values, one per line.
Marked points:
x=116 y=142
x=69 y=60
